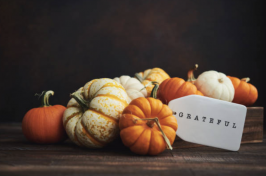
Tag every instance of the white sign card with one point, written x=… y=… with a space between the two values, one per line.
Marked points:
x=209 y=121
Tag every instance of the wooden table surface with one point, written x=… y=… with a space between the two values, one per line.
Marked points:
x=20 y=157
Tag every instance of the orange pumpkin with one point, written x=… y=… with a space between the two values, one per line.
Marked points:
x=147 y=126
x=245 y=93
x=151 y=75
x=44 y=124
x=173 y=88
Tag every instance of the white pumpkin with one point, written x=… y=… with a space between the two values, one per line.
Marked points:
x=133 y=87
x=215 y=85
x=91 y=117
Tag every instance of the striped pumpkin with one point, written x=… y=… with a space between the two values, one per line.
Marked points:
x=91 y=117
x=156 y=74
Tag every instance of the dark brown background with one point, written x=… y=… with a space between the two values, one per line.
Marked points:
x=60 y=45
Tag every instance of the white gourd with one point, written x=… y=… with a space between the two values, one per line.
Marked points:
x=215 y=85
x=133 y=87
x=92 y=115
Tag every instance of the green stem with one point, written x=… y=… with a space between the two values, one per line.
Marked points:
x=245 y=79
x=139 y=77
x=190 y=74
x=45 y=95
x=154 y=91
x=83 y=103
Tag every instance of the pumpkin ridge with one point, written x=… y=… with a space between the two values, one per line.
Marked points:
x=75 y=136
x=216 y=88
x=72 y=106
x=179 y=88
x=70 y=117
x=112 y=85
x=176 y=92
x=237 y=84
x=161 y=89
x=113 y=97
x=104 y=115
x=246 y=101
x=160 y=118
x=249 y=97
x=89 y=88
x=236 y=89
x=126 y=83
x=150 y=142
x=92 y=138
x=222 y=92
x=186 y=90
x=138 y=137
x=145 y=128
x=126 y=109
x=228 y=88
x=167 y=126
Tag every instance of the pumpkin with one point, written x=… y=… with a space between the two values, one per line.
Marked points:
x=147 y=126
x=132 y=86
x=215 y=85
x=173 y=88
x=245 y=93
x=151 y=75
x=91 y=117
x=44 y=124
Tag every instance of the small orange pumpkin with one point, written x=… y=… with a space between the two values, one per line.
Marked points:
x=147 y=126
x=44 y=124
x=245 y=93
x=173 y=88
x=151 y=75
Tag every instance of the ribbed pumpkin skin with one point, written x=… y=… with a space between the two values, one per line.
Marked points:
x=173 y=88
x=155 y=74
x=137 y=135
x=98 y=125
x=44 y=124
x=245 y=93
x=132 y=86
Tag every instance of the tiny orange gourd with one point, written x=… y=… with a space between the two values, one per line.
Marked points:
x=245 y=93
x=44 y=124
x=173 y=88
x=147 y=126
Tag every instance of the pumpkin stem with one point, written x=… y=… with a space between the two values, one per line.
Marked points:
x=221 y=80
x=150 y=123
x=156 y=120
x=245 y=79
x=190 y=74
x=45 y=95
x=150 y=83
x=83 y=103
x=139 y=77
x=154 y=91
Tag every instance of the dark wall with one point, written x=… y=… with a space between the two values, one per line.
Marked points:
x=60 y=45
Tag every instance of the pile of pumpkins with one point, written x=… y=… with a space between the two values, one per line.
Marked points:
x=133 y=108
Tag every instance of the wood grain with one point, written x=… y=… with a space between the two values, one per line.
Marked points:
x=20 y=157
x=252 y=133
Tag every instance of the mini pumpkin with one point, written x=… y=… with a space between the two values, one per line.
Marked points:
x=147 y=126
x=215 y=85
x=91 y=117
x=44 y=124
x=132 y=86
x=151 y=75
x=245 y=93
x=173 y=88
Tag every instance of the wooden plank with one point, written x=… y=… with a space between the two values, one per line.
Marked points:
x=252 y=133
x=20 y=157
